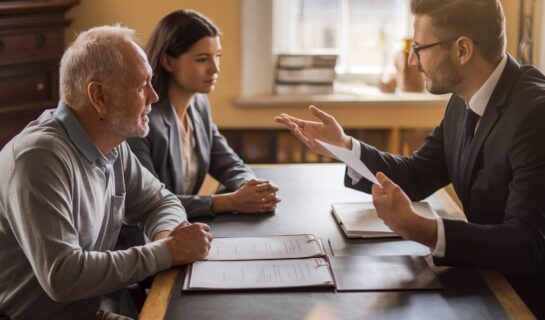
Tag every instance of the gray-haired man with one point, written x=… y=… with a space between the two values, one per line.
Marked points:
x=69 y=181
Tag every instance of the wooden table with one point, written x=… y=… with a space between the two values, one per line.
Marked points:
x=307 y=192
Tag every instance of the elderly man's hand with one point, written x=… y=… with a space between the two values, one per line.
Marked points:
x=189 y=242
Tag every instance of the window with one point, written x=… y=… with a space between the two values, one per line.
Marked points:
x=364 y=33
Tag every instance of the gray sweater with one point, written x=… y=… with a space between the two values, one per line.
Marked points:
x=62 y=204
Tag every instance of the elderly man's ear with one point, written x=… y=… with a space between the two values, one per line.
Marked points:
x=97 y=99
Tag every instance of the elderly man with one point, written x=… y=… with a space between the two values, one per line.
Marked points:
x=69 y=181
x=490 y=146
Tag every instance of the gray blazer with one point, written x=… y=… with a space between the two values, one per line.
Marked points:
x=160 y=153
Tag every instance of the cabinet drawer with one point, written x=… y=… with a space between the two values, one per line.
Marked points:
x=20 y=45
x=28 y=87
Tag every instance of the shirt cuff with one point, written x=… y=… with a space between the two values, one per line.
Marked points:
x=440 y=245
x=356 y=151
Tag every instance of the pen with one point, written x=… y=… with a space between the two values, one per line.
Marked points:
x=330 y=247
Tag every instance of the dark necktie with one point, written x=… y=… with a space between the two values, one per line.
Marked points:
x=470 y=122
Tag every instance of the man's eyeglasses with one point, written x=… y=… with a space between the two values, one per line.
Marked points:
x=417 y=49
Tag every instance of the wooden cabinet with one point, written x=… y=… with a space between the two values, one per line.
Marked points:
x=31 y=46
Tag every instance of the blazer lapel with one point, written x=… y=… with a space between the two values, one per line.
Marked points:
x=493 y=112
x=201 y=143
x=175 y=147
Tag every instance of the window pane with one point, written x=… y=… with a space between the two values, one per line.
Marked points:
x=318 y=22
x=307 y=25
x=365 y=33
x=372 y=34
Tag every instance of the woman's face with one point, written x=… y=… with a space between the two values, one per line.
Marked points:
x=196 y=71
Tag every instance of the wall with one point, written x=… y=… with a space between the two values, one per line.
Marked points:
x=539 y=35
x=142 y=15
x=511 y=9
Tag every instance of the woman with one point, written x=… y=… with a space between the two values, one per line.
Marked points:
x=184 y=144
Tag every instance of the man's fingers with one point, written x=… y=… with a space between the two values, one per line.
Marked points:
x=299 y=135
x=204 y=226
x=209 y=237
x=282 y=120
x=323 y=116
x=385 y=182
x=376 y=190
x=181 y=225
x=293 y=120
x=294 y=125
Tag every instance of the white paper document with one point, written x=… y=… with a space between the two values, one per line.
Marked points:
x=350 y=160
x=259 y=274
x=271 y=247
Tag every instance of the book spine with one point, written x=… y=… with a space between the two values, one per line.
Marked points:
x=306 y=61
x=303 y=89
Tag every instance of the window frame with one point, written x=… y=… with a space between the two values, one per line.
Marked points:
x=257 y=56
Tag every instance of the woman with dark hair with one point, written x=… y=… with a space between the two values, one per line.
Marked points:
x=184 y=144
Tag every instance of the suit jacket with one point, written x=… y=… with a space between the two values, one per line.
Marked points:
x=502 y=188
x=160 y=153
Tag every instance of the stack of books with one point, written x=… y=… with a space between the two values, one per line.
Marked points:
x=305 y=74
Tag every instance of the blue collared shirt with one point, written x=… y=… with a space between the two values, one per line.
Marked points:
x=80 y=138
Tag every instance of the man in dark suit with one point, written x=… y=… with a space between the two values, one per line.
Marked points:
x=490 y=146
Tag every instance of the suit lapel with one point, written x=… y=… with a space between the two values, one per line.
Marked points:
x=201 y=143
x=175 y=147
x=493 y=112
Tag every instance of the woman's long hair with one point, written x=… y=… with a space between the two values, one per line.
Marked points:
x=174 y=35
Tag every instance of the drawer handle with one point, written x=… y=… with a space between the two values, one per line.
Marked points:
x=40 y=86
x=2 y=45
x=39 y=41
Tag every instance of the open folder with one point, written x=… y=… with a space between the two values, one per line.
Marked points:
x=256 y=263
x=360 y=220
x=299 y=262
